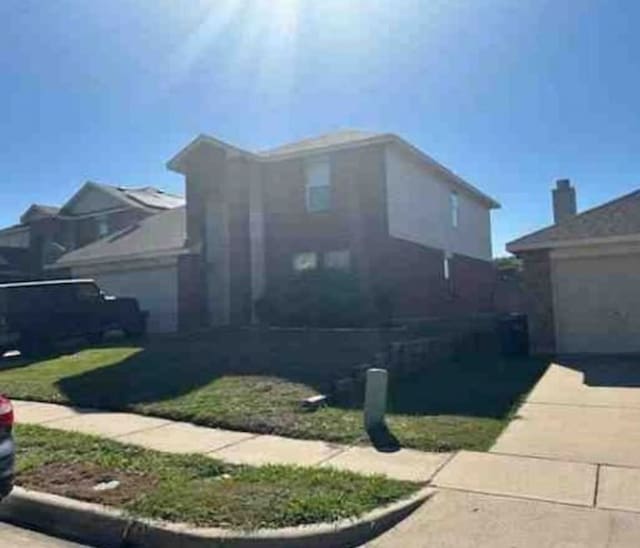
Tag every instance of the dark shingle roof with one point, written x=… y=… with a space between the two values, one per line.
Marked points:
x=336 y=138
x=49 y=210
x=159 y=233
x=147 y=196
x=620 y=217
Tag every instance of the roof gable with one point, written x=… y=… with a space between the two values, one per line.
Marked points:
x=95 y=197
x=322 y=144
x=617 y=218
x=92 y=198
x=38 y=211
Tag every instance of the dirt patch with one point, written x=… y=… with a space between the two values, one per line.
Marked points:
x=78 y=480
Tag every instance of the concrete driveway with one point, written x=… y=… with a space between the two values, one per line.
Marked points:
x=564 y=474
x=582 y=410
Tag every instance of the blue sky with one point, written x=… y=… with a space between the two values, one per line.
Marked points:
x=509 y=94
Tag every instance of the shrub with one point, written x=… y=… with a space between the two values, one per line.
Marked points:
x=317 y=298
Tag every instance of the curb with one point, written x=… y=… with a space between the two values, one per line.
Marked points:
x=103 y=526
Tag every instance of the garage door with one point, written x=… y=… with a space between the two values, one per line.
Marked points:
x=155 y=288
x=597 y=304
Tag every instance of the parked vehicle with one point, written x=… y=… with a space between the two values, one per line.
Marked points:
x=7 y=447
x=36 y=315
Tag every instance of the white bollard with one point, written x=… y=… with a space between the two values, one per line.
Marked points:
x=375 y=398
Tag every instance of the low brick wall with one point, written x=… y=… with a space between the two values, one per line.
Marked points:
x=319 y=356
x=413 y=355
x=334 y=361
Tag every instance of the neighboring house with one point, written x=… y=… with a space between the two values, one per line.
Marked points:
x=140 y=261
x=582 y=277
x=96 y=210
x=14 y=262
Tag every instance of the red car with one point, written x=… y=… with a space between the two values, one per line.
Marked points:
x=7 y=447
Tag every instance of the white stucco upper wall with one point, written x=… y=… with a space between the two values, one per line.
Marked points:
x=419 y=208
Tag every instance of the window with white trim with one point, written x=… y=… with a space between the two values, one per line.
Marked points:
x=318 y=185
x=447 y=265
x=455 y=209
x=305 y=261
x=103 y=225
x=339 y=259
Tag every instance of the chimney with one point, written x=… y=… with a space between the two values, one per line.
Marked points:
x=564 y=201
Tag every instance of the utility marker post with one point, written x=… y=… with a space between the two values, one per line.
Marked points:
x=375 y=399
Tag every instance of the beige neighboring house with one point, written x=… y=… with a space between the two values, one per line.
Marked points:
x=108 y=233
x=582 y=277
x=140 y=261
x=96 y=210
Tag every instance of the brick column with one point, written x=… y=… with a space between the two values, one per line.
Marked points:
x=539 y=301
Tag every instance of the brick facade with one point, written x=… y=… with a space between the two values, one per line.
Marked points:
x=413 y=277
x=539 y=300
x=409 y=275
x=356 y=220
x=192 y=308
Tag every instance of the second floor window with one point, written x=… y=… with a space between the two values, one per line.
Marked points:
x=338 y=259
x=318 y=186
x=103 y=226
x=455 y=209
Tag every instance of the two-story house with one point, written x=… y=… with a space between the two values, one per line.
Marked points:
x=95 y=211
x=371 y=203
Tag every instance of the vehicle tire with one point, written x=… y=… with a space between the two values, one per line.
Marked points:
x=95 y=338
x=134 y=333
x=136 y=329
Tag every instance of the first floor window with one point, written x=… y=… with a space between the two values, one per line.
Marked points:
x=305 y=261
x=338 y=259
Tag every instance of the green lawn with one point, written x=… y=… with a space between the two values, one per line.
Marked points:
x=193 y=488
x=461 y=405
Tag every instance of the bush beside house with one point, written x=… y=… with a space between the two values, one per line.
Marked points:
x=318 y=298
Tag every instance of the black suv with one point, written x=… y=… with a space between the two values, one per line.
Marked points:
x=35 y=315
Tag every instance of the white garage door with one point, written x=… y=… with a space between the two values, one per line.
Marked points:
x=155 y=288
x=597 y=304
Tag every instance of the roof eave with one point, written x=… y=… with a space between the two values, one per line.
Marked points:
x=176 y=163
x=324 y=149
x=515 y=247
x=105 y=259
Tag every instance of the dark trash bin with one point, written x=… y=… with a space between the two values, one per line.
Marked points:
x=513 y=332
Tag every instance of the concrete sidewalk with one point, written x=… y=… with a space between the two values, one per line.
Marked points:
x=565 y=472
x=230 y=446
